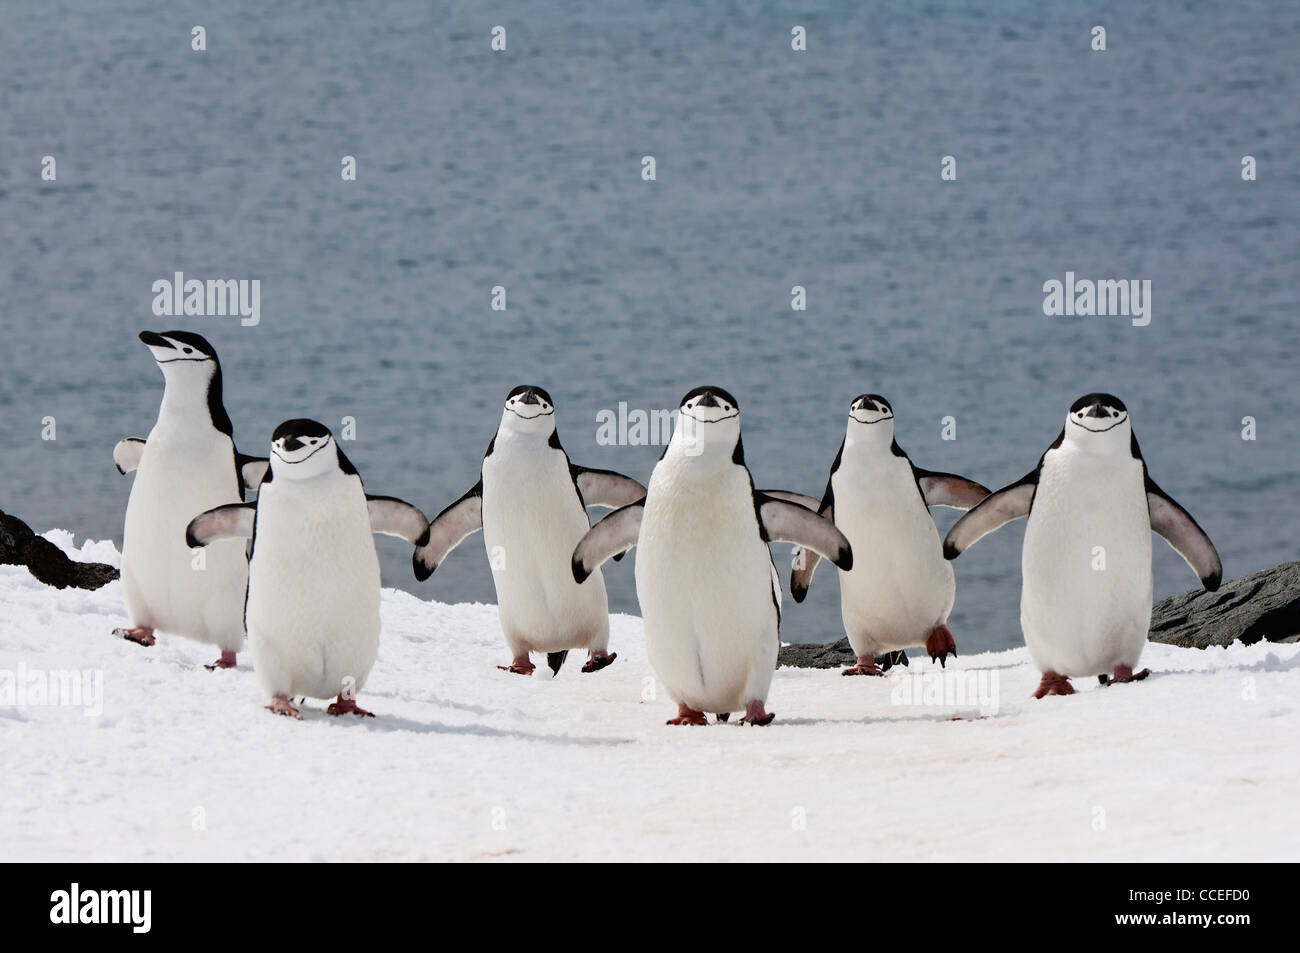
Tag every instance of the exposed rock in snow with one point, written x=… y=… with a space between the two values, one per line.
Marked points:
x=1264 y=605
x=47 y=562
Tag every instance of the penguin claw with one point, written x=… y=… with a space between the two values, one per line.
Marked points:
x=688 y=716
x=756 y=714
x=866 y=666
x=597 y=662
x=1053 y=684
x=347 y=706
x=940 y=645
x=140 y=635
x=1124 y=674
x=227 y=660
x=520 y=666
x=280 y=705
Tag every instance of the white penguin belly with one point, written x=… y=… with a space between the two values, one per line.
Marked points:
x=900 y=586
x=532 y=521
x=177 y=479
x=704 y=581
x=313 y=590
x=1086 y=603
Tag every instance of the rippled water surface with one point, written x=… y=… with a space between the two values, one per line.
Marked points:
x=774 y=169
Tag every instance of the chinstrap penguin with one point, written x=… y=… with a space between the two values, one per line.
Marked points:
x=530 y=502
x=709 y=592
x=313 y=580
x=901 y=589
x=187 y=464
x=1085 y=606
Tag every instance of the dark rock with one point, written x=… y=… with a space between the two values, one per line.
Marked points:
x=1263 y=605
x=19 y=546
x=810 y=655
x=832 y=655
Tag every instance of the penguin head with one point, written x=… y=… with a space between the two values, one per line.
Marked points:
x=871 y=418
x=708 y=418
x=529 y=410
x=1099 y=423
x=302 y=449
x=182 y=356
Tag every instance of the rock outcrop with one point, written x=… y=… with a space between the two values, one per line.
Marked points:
x=831 y=655
x=19 y=546
x=1264 y=605
x=811 y=655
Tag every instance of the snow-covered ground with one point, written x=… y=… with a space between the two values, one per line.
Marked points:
x=465 y=762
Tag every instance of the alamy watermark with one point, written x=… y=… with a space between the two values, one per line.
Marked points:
x=1122 y=297
x=947 y=688
x=215 y=297
x=70 y=688
x=642 y=428
x=133 y=908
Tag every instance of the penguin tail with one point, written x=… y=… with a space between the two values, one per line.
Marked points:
x=555 y=660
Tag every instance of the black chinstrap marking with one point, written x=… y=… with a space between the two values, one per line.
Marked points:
x=1115 y=424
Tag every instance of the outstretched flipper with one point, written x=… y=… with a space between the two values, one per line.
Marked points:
x=251 y=469
x=611 y=536
x=1183 y=533
x=127 y=454
x=949 y=489
x=394 y=517
x=792 y=523
x=995 y=510
x=807 y=502
x=605 y=487
x=805 y=561
x=447 y=530
x=803 y=564
x=232 y=521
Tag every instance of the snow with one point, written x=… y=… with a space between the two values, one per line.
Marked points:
x=465 y=762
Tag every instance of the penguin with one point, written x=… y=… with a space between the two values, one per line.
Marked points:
x=530 y=502
x=188 y=464
x=1085 y=605
x=313 y=580
x=901 y=589
x=710 y=595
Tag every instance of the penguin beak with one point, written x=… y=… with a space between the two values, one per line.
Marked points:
x=292 y=443
x=154 y=339
x=707 y=400
x=529 y=397
x=1096 y=410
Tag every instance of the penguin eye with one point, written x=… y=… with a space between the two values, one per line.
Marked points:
x=188 y=350
x=726 y=406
